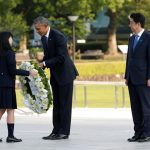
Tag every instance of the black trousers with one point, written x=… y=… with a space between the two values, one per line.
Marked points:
x=140 y=106
x=62 y=107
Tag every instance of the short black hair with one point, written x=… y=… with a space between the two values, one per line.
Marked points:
x=4 y=41
x=138 y=18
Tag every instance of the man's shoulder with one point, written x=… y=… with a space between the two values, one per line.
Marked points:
x=56 y=32
x=147 y=33
x=146 y=36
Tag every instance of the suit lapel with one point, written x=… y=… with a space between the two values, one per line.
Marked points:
x=131 y=42
x=50 y=38
x=140 y=41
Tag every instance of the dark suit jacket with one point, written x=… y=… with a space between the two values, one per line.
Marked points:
x=56 y=58
x=138 y=60
x=8 y=69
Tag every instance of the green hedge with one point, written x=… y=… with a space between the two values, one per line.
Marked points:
x=101 y=68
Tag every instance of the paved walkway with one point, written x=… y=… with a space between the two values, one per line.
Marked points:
x=92 y=129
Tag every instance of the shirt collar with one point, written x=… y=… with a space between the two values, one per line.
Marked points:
x=140 y=33
x=47 y=34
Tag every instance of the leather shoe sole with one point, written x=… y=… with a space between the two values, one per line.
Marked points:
x=49 y=137
x=12 y=140
x=146 y=139
x=133 y=139
x=59 y=137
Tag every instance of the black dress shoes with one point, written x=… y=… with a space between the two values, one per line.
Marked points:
x=60 y=136
x=134 y=139
x=12 y=140
x=49 y=137
x=53 y=136
x=144 y=139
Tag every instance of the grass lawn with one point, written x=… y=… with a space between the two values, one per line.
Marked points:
x=97 y=95
x=100 y=96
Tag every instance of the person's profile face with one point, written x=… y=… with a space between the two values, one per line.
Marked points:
x=41 y=29
x=10 y=41
x=133 y=25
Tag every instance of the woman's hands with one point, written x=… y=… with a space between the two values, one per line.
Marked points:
x=33 y=72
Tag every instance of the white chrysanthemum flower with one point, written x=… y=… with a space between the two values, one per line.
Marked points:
x=35 y=91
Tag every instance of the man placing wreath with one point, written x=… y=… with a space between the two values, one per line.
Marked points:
x=62 y=71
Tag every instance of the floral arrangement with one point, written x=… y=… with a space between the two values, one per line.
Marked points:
x=36 y=90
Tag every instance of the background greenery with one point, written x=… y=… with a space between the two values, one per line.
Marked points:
x=100 y=68
x=97 y=95
x=90 y=70
x=17 y=16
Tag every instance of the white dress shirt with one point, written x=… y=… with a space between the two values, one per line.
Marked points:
x=47 y=35
x=140 y=33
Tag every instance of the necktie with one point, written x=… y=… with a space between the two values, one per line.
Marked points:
x=44 y=43
x=135 y=41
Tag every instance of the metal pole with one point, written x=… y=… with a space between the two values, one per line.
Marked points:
x=75 y=100
x=123 y=96
x=116 y=96
x=85 y=96
x=73 y=39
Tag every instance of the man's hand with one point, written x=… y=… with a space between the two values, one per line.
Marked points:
x=126 y=82
x=148 y=82
x=41 y=65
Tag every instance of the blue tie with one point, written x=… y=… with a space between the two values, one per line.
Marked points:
x=136 y=39
x=45 y=44
x=44 y=40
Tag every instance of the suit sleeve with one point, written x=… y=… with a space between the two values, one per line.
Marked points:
x=11 y=62
x=148 y=57
x=61 y=51
x=125 y=76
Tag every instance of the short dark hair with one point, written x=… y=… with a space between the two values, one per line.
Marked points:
x=138 y=18
x=4 y=41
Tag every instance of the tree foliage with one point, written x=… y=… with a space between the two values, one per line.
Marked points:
x=10 y=21
x=113 y=10
x=57 y=11
x=33 y=8
x=17 y=15
x=141 y=6
x=63 y=9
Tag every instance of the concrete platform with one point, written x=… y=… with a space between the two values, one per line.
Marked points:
x=92 y=129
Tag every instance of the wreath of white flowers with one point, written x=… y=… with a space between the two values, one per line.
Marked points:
x=36 y=90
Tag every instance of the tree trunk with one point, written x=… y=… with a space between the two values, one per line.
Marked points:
x=23 y=43
x=112 y=42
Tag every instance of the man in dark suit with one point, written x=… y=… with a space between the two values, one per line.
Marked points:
x=137 y=77
x=62 y=71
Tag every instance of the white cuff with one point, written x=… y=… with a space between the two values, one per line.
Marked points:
x=44 y=64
